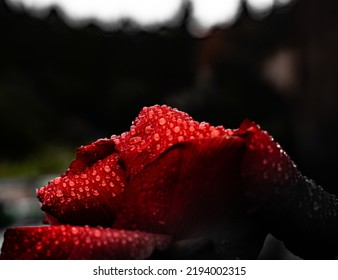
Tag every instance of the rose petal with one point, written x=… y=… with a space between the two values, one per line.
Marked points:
x=89 y=192
x=291 y=207
x=155 y=130
x=90 y=154
x=191 y=191
x=266 y=167
x=71 y=242
x=190 y=186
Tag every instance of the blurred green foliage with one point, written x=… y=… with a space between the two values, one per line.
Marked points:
x=49 y=160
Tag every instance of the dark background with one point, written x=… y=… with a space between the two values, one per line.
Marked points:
x=61 y=87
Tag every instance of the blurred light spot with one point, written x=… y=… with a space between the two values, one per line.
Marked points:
x=281 y=70
x=260 y=6
x=108 y=14
x=208 y=13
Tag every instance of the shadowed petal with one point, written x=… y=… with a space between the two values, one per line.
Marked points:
x=266 y=167
x=279 y=198
x=72 y=242
x=193 y=190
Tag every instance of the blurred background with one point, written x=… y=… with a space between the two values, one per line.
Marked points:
x=63 y=86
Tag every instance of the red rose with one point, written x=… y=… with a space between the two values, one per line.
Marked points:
x=175 y=188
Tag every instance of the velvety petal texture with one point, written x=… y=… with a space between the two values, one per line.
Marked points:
x=193 y=191
x=73 y=242
x=178 y=195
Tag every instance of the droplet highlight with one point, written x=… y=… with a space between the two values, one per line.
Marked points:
x=162 y=121
x=134 y=140
x=59 y=193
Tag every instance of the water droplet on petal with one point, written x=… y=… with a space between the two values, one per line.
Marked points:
x=57 y=180
x=38 y=246
x=98 y=178
x=202 y=126
x=148 y=129
x=134 y=140
x=156 y=137
x=214 y=133
x=149 y=149
x=59 y=193
x=41 y=191
x=270 y=149
x=97 y=233
x=251 y=147
x=180 y=138
x=229 y=132
x=162 y=121
x=80 y=189
x=107 y=168
x=96 y=193
x=74 y=230
x=132 y=131
x=83 y=176
x=71 y=183
x=177 y=129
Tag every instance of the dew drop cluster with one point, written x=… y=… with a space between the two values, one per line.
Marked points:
x=159 y=127
x=94 y=190
x=74 y=242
